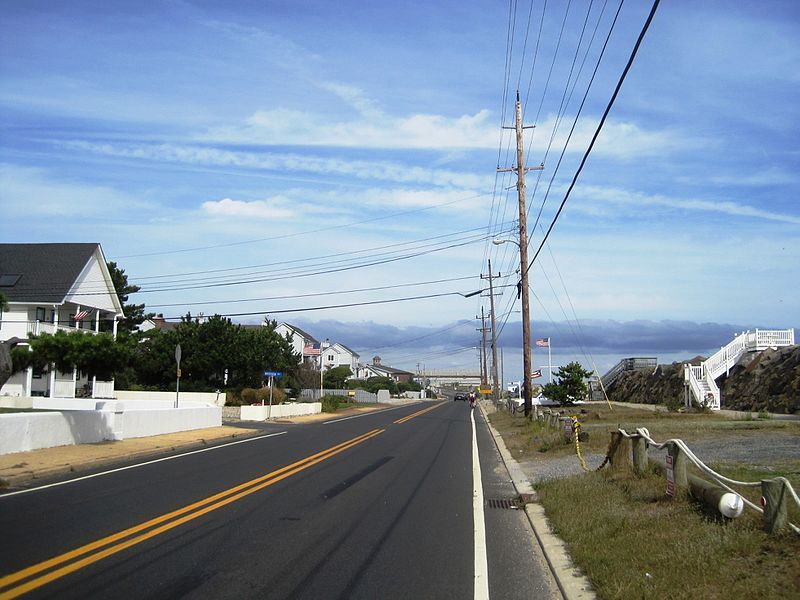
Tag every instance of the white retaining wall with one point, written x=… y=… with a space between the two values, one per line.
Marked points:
x=20 y=432
x=203 y=397
x=294 y=409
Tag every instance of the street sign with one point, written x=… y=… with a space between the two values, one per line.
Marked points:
x=178 y=355
x=484 y=390
x=273 y=374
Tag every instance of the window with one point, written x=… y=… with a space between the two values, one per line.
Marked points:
x=40 y=313
x=9 y=280
x=330 y=357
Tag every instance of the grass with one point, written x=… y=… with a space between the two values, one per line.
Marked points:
x=633 y=542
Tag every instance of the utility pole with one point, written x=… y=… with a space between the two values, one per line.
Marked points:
x=484 y=366
x=495 y=388
x=527 y=365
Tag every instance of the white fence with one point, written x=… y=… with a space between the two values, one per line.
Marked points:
x=20 y=432
x=277 y=411
x=216 y=398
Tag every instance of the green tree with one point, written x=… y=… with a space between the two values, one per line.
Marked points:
x=3 y=303
x=209 y=350
x=334 y=379
x=569 y=386
x=134 y=313
x=373 y=384
x=97 y=355
x=409 y=386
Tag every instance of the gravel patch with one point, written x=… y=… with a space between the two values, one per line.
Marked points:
x=761 y=451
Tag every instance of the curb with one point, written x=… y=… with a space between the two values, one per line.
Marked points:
x=572 y=583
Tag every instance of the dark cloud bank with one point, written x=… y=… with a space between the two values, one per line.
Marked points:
x=613 y=337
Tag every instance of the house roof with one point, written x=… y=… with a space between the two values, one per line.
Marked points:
x=353 y=352
x=303 y=334
x=388 y=370
x=46 y=272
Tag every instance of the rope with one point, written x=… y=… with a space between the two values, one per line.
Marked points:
x=723 y=481
x=576 y=432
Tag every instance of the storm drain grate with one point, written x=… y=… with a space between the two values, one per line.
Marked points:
x=500 y=503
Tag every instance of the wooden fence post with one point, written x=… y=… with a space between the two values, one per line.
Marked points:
x=620 y=459
x=676 y=469
x=774 y=495
x=640 y=464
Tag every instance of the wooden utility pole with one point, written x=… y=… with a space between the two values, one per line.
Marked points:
x=495 y=388
x=527 y=365
x=484 y=366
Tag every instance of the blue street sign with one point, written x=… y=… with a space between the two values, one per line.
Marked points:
x=273 y=374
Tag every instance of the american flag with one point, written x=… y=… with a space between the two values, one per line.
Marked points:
x=545 y=342
x=536 y=374
x=81 y=315
x=309 y=350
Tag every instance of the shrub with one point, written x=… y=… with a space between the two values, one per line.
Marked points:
x=259 y=395
x=331 y=403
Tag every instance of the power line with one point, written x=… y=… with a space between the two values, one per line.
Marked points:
x=290 y=235
x=599 y=127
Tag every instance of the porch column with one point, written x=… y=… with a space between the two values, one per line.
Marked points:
x=74 y=381
x=28 y=381
x=52 y=378
x=57 y=313
x=97 y=321
x=115 y=327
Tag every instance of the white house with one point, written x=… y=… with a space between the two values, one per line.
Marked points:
x=339 y=355
x=302 y=343
x=376 y=369
x=53 y=287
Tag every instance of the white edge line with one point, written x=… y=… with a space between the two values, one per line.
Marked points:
x=136 y=466
x=479 y=524
x=366 y=414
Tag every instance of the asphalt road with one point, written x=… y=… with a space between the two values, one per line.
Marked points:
x=378 y=506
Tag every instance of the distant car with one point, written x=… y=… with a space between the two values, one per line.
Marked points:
x=462 y=397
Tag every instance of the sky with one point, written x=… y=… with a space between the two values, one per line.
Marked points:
x=339 y=166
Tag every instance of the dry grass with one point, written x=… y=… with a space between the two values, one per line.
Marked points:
x=633 y=542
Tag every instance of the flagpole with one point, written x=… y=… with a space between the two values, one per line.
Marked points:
x=549 y=363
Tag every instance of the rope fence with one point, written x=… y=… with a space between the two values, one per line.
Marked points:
x=628 y=451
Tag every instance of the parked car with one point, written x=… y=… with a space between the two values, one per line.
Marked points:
x=462 y=397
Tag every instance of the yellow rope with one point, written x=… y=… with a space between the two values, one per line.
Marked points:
x=576 y=432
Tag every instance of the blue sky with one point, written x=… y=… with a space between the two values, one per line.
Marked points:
x=253 y=156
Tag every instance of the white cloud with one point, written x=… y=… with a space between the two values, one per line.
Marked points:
x=279 y=126
x=374 y=130
x=640 y=200
x=273 y=208
x=359 y=169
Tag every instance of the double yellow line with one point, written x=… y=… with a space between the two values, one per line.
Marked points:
x=418 y=413
x=64 y=564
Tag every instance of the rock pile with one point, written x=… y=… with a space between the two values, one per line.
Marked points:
x=768 y=381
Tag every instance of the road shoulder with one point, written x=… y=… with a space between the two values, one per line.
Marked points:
x=572 y=583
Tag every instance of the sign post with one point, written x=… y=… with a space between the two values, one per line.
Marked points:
x=178 y=381
x=271 y=375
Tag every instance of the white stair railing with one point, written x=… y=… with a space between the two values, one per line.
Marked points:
x=700 y=379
